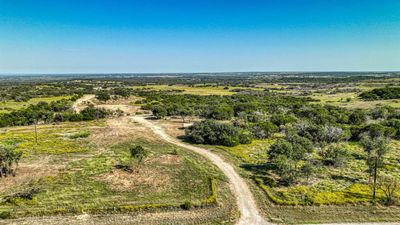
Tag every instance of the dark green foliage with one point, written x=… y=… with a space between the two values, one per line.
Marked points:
x=264 y=129
x=382 y=112
x=374 y=130
x=376 y=149
x=334 y=155
x=222 y=112
x=223 y=107
x=91 y=113
x=22 y=92
x=103 y=96
x=159 y=111
x=301 y=146
x=187 y=205
x=58 y=111
x=184 y=112
x=123 y=92
x=9 y=159
x=381 y=93
x=316 y=114
x=307 y=170
x=280 y=119
x=216 y=133
x=286 y=154
x=245 y=137
x=138 y=153
x=322 y=134
x=357 y=117
x=246 y=107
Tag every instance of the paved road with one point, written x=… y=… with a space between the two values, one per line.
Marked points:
x=249 y=213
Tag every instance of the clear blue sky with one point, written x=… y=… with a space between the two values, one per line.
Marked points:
x=197 y=36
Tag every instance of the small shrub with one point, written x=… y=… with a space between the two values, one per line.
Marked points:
x=80 y=134
x=174 y=151
x=5 y=215
x=187 y=205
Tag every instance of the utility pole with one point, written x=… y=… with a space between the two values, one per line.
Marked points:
x=375 y=175
x=36 y=138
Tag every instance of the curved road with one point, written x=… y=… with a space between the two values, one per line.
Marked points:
x=249 y=213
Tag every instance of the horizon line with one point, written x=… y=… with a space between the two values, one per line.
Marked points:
x=204 y=72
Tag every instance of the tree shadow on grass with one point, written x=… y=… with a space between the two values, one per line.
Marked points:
x=122 y=167
x=348 y=194
x=345 y=178
x=185 y=139
x=151 y=118
x=257 y=170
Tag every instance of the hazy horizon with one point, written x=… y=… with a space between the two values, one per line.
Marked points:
x=198 y=37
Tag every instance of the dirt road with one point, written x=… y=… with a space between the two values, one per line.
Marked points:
x=77 y=106
x=249 y=213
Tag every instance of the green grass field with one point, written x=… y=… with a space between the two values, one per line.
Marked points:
x=333 y=189
x=351 y=100
x=13 y=105
x=69 y=173
x=196 y=90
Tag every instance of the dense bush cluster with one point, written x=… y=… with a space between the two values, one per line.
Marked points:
x=9 y=159
x=58 y=111
x=217 y=133
x=312 y=136
x=381 y=94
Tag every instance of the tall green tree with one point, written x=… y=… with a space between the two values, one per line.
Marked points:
x=159 y=111
x=376 y=149
x=139 y=154
x=286 y=155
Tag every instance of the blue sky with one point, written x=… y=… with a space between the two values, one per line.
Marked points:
x=54 y=36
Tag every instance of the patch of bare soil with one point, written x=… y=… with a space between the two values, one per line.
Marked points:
x=24 y=175
x=127 y=109
x=119 y=101
x=121 y=180
x=119 y=130
x=82 y=103
x=173 y=126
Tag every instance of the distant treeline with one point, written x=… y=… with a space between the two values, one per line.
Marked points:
x=81 y=83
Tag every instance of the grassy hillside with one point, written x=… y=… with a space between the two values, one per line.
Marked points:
x=73 y=169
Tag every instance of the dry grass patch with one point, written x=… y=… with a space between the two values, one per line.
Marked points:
x=24 y=176
x=168 y=160
x=120 y=180
x=120 y=130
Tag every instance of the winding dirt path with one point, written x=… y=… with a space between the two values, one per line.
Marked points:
x=249 y=213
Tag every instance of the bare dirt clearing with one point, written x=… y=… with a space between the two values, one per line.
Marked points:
x=82 y=102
